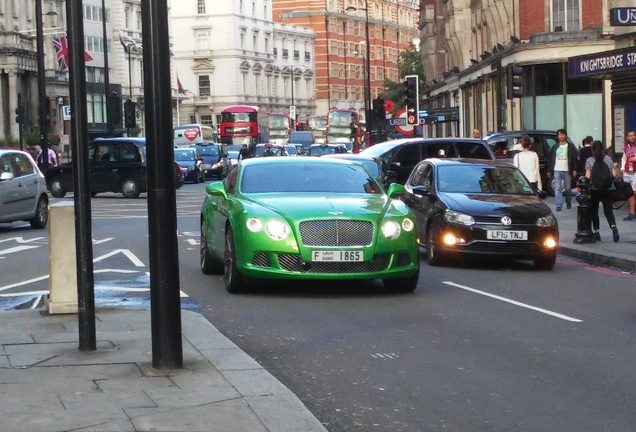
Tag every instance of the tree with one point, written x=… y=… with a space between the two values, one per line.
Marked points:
x=409 y=63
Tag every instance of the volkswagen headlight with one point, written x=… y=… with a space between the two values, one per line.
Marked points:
x=391 y=229
x=546 y=221
x=458 y=218
x=276 y=229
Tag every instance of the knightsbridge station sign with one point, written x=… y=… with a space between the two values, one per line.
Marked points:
x=603 y=63
x=623 y=16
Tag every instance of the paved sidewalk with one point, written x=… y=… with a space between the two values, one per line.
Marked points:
x=621 y=255
x=47 y=384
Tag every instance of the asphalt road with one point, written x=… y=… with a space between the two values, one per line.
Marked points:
x=479 y=346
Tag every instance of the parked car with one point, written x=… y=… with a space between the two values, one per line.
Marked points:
x=216 y=159
x=480 y=207
x=316 y=219
x=291 y=150
x=505 y=146
x=376 y=167
x=402 y=155
x=179 y=176
x=304 y=138
x=325 y=149
x=192 y=164
x=22 y=190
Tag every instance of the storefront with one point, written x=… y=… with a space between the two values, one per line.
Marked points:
x=619 y=66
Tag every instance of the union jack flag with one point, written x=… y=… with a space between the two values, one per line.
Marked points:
x=61 y=52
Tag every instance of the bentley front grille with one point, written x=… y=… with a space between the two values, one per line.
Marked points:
x=334 y=233
x=293 y=263
x=261 y=260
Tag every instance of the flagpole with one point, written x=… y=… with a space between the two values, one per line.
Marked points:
x=178 y=106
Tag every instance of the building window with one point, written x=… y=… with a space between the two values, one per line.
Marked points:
x=565 y=15
x=202 y=41
x=127 y=17
x=275 y=52
x=204 y=85
x=285 y=53
x=139 y=20
x=307 y=56
x=206 y=120
x=201 y=7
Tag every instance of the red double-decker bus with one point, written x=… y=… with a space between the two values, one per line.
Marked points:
x=280 y=126
x=318 y=124
x=244 y=124
x=343 y=125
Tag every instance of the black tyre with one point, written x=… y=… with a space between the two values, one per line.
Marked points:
x=209 y=264
x=433 y=256
x=41 y=217
x=546 y=263
x=130 y=188
x=234 y=281
x=402 y=285
x=57 y=188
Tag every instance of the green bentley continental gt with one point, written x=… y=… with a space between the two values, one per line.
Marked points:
x=307 y=219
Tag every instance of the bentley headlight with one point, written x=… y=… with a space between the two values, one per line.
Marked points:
x=458 y=218
x=254 y=224
x=546 y=221
x=391 y=229
x=276 y=229
x=408 y=225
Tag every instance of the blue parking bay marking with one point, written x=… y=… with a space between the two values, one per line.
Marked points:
x=514 y=302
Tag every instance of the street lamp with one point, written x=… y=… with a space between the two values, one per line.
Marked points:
x=292 y=108
x=364 y=78
x=42 y=101
x=367 y=91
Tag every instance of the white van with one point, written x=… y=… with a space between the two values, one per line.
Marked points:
x=185 y=135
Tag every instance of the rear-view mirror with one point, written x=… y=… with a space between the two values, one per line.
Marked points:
x=216 y=189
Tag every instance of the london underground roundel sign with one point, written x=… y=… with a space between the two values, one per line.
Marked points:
x=403 y=129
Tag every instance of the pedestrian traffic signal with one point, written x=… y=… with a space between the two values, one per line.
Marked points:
x=515 y=82
x=379 y=113
x=411 y=100
x=130 y=118
x=19 y=114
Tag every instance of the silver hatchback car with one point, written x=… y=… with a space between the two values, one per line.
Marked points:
x=22 y=190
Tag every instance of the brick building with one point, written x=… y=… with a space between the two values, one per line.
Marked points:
x=470 y=46
x=340 y=50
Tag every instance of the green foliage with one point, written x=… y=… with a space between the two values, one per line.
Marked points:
x=409 y=63
x=9 y=142
x=33 y=139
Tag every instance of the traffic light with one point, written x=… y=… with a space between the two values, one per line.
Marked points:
x=19 y=114
x=515 y=82
x=379 y=112
x=130 y=119
x=411 y=100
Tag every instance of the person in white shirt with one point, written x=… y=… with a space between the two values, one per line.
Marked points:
x=528 y=162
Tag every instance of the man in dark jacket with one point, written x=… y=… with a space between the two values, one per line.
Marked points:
x=561 y=167
x=585 y=152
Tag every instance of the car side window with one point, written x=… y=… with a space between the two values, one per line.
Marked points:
x=439 y=150
x=408 y=155
x=417 y=176
x=550 y=141
x=106 y=153
x=23 y=166
x=427 y=177
x=129 y=153
x=6 y=165
x=472 y=150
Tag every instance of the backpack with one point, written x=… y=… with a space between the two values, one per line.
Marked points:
x=601 y=176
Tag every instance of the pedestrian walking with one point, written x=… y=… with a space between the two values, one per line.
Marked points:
x=562 y=167
x=243 y=153
x=528 y=162
x=600 y=169
x=628 y=168
x=52 y=158
x=584 y=153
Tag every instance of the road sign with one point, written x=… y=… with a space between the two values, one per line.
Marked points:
x=401 y=126
x=292 y=112
x=66 y=112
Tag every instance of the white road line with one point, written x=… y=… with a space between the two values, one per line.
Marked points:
x=26 y=282
x=16 y=249
x=131 y=256
x=26 y=293
x=22 y=240
x=514 y=302
x=193 y=242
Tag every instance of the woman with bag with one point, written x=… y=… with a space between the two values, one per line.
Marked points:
x=528 y=162
x=600 y=169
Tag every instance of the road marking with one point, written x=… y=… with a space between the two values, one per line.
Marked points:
x=131 y=256
x=16 y=249
x=45 y=277
x=193 y=242
x=26 y=293
x=96 y=242
x=514 y=302
x=22 y=240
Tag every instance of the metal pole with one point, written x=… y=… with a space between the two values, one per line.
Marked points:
x=165 y=301
x=109 y=125
x=44 y=130
x=81 y=177
x=367 y=104
x=344 y=41
x=129 y=73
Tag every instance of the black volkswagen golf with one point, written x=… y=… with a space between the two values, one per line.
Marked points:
x=470 y=206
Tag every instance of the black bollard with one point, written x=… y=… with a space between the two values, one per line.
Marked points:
x=583 y=215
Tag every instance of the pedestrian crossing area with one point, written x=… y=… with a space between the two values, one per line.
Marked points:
x=114 y=206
